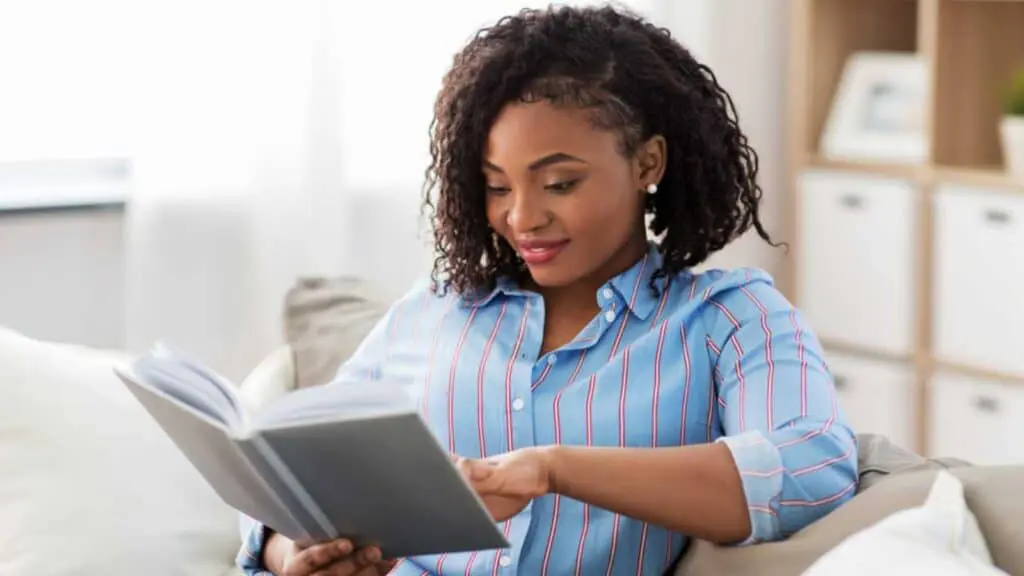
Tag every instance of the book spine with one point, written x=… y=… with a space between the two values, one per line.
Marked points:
x=295 y=487
x=294 y=527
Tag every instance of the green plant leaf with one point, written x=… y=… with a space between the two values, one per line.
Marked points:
x=1015 y=95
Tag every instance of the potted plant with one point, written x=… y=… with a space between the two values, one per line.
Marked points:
x=1012 y=127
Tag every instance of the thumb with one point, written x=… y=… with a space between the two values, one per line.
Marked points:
x=474 y=470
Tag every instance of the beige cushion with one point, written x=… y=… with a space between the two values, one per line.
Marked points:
x=893 y=480
x=90 y=484
x=325 y=321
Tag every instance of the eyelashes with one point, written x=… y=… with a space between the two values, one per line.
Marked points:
x=562 y=187
x=557 y=187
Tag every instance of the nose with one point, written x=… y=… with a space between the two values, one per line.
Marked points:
x=527 y=213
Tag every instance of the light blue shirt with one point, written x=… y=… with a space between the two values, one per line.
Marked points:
x=714 y=356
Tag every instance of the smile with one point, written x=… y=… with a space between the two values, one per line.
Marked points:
x=535 y=253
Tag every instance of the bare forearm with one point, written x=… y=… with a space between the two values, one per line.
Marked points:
x=275 y=551
x=693 y=490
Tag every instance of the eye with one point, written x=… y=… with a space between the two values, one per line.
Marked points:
x=497 y=190
x=563 y=186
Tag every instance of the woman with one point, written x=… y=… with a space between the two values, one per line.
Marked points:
x=606 y=401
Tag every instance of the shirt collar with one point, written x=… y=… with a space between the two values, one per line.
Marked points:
x=504 y=286
x=633 y=286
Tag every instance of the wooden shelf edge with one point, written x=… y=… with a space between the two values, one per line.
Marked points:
x=927 y=365
x=982 y=177
x=832 y=345
x=907 y=171
x=923 y=173
x=979 y=372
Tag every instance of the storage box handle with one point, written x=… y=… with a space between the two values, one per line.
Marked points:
x=997 y=216
x=852 y=201
x=986 y=404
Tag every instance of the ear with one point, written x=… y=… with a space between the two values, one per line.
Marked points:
x=649 y=161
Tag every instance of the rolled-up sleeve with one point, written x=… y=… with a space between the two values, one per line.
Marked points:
x=777 y=403
x=250 y=556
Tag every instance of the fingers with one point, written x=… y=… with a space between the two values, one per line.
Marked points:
x=369 y=555
x=318 y=556
x=354 y=565
x=381 y=568
x=385 y=567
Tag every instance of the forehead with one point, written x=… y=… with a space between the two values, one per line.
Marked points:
x=523 y=132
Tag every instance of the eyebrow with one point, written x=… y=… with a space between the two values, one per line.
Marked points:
x=556 y=158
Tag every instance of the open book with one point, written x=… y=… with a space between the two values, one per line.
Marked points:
x=353 y=461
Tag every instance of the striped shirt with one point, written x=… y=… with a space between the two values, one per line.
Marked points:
x=704 y=357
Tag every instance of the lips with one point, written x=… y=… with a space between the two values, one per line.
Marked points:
x=535 y=252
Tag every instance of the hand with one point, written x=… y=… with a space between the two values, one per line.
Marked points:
x=508 y=482
x=335 y=558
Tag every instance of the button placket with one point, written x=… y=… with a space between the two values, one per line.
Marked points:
x=610 y=313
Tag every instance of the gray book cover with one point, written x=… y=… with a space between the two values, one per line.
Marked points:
x=325 y=462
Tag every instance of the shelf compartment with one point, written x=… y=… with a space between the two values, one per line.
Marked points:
x=839 y=28
x=979 y=46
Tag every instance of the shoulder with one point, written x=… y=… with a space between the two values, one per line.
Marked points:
x=736 y=295
x=422 y=300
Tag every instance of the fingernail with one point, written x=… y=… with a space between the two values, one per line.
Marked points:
x=373 y=554
x=345 y=546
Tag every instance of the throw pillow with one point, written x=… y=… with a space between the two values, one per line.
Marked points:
x=90 y=483
x=940 y=537
x=326 y=319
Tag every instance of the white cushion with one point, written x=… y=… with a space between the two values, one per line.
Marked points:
x=269 y=380
x=90 y=484
x=939 y=538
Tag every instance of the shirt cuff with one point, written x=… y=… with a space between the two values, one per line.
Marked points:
x=761 y=473
x=250 y=557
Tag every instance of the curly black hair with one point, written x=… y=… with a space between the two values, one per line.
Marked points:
x=638 y=81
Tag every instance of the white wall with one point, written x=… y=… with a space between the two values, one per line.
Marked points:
x=62 y=276
x=745 y=43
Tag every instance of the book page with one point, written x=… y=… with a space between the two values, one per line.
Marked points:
x=336 y=402
x=187 y=381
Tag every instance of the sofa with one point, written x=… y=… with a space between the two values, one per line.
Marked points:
x=90 y=484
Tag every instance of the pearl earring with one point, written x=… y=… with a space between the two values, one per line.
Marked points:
x=652 y=188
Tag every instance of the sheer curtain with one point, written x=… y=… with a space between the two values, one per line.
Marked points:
x=237 y=185
x=274 y=140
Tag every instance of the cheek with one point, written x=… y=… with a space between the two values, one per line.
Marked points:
x=496 y=210
x=601 y=210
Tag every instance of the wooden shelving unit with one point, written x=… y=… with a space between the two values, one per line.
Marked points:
x=971 y=47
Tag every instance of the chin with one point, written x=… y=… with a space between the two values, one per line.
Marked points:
x=552 y=278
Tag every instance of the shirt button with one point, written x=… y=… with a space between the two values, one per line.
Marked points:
x=505 y=561
x=552 y=359
x=609 y=315
x=518 y=404
x=607 y=293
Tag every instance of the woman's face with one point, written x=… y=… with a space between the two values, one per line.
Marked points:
x=562 y=194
